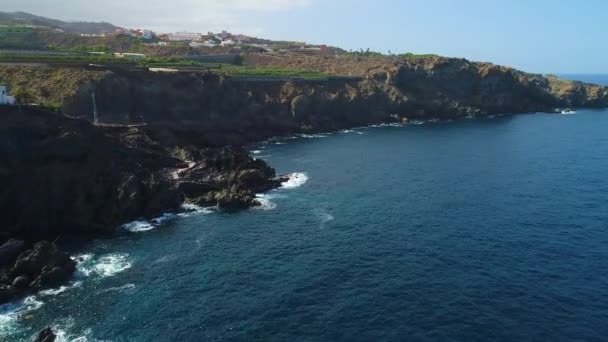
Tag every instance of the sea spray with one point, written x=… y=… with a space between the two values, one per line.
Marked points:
x=296 y=180
x=105 y=266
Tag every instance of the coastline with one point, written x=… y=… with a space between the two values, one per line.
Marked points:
x=111 y=264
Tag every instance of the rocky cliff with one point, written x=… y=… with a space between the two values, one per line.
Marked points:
x=380 y=90
x=64 y=176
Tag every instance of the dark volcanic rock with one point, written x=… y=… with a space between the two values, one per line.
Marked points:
x=66 y=176
x=40 y=267
x=45 y=264
x=10 y=250
x=46 y=335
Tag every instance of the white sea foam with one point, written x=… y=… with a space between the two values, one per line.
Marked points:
x=167 y=217
x=324 y=217
x=296 y=180
x=63 y=332
x=256 y=151
x=144 y=226
x=62 y=289
x=416 y=122
x=313 y=136
x=105 y=266
x=12 y=313
x=122 y=288
x=193 y=209
x=138 y=226
x=265 y=201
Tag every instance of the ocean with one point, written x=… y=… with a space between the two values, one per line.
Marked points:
x=471 y=230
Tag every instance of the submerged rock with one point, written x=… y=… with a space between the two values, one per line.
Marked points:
x=46 y=335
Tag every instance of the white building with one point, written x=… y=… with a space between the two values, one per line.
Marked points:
x=230 y=42
x=5 y=99
x=182 y=36
x=207 y=43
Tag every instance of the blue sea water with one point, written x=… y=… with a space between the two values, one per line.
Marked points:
x=473 y=230
x=588 y=78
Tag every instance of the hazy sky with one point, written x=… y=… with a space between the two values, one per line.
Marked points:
x=561 y=36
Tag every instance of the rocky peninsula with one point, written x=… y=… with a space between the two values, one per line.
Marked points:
x=64 y=176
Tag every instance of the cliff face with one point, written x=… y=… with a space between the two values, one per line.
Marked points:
x=65 y=176
x=257 y=107
x=412 y=88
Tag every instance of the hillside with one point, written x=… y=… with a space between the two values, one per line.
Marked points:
x=384 y=90
x=23 y=18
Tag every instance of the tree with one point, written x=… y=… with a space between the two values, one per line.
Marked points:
x=23 y=96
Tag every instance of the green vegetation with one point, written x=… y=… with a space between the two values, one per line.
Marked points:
x=4 y=29
x=23 y=96
x=236 y=70
x=62 y=58
x=410 y=55
x=369 y=53
x=247 y=71
x=365 y=53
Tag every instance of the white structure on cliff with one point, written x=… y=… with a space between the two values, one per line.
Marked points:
x=5 y=99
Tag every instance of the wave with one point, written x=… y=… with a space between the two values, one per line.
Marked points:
x=63 y=332
x=106 y=266
x=12 y=313
x=61 y=289
x=144 y=226
x=256 y=152
x=296 y=180
x=313 y=136
x=324 y=217
x=193 y=209
x=167 y=217
x=265 y=201
x=138 y=226
x=416 y=122
x=122 y=288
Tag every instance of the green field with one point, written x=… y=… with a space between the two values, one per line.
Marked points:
x=175 y=62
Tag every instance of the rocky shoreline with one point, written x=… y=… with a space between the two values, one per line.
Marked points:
x=66 y=177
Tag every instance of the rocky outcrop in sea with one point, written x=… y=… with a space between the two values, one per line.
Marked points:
x=64 y=177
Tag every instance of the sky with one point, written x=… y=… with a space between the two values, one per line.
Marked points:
x=542 y=36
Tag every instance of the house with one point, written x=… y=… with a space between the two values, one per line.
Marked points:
x=143 y=34
x=225 y=35
x=5 y=99
x=207 y=43
x=184 y=36
x=128 y=55
x=230 y=42
x=147 y=34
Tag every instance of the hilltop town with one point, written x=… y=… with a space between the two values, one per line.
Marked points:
x=25 y=31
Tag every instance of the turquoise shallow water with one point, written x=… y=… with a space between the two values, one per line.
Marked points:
x=474 y=230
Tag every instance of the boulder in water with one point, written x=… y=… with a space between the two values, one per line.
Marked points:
x=46 y=335
x=45 y=264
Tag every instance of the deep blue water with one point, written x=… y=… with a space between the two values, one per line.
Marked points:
x=474 y=230
x=589 y=78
